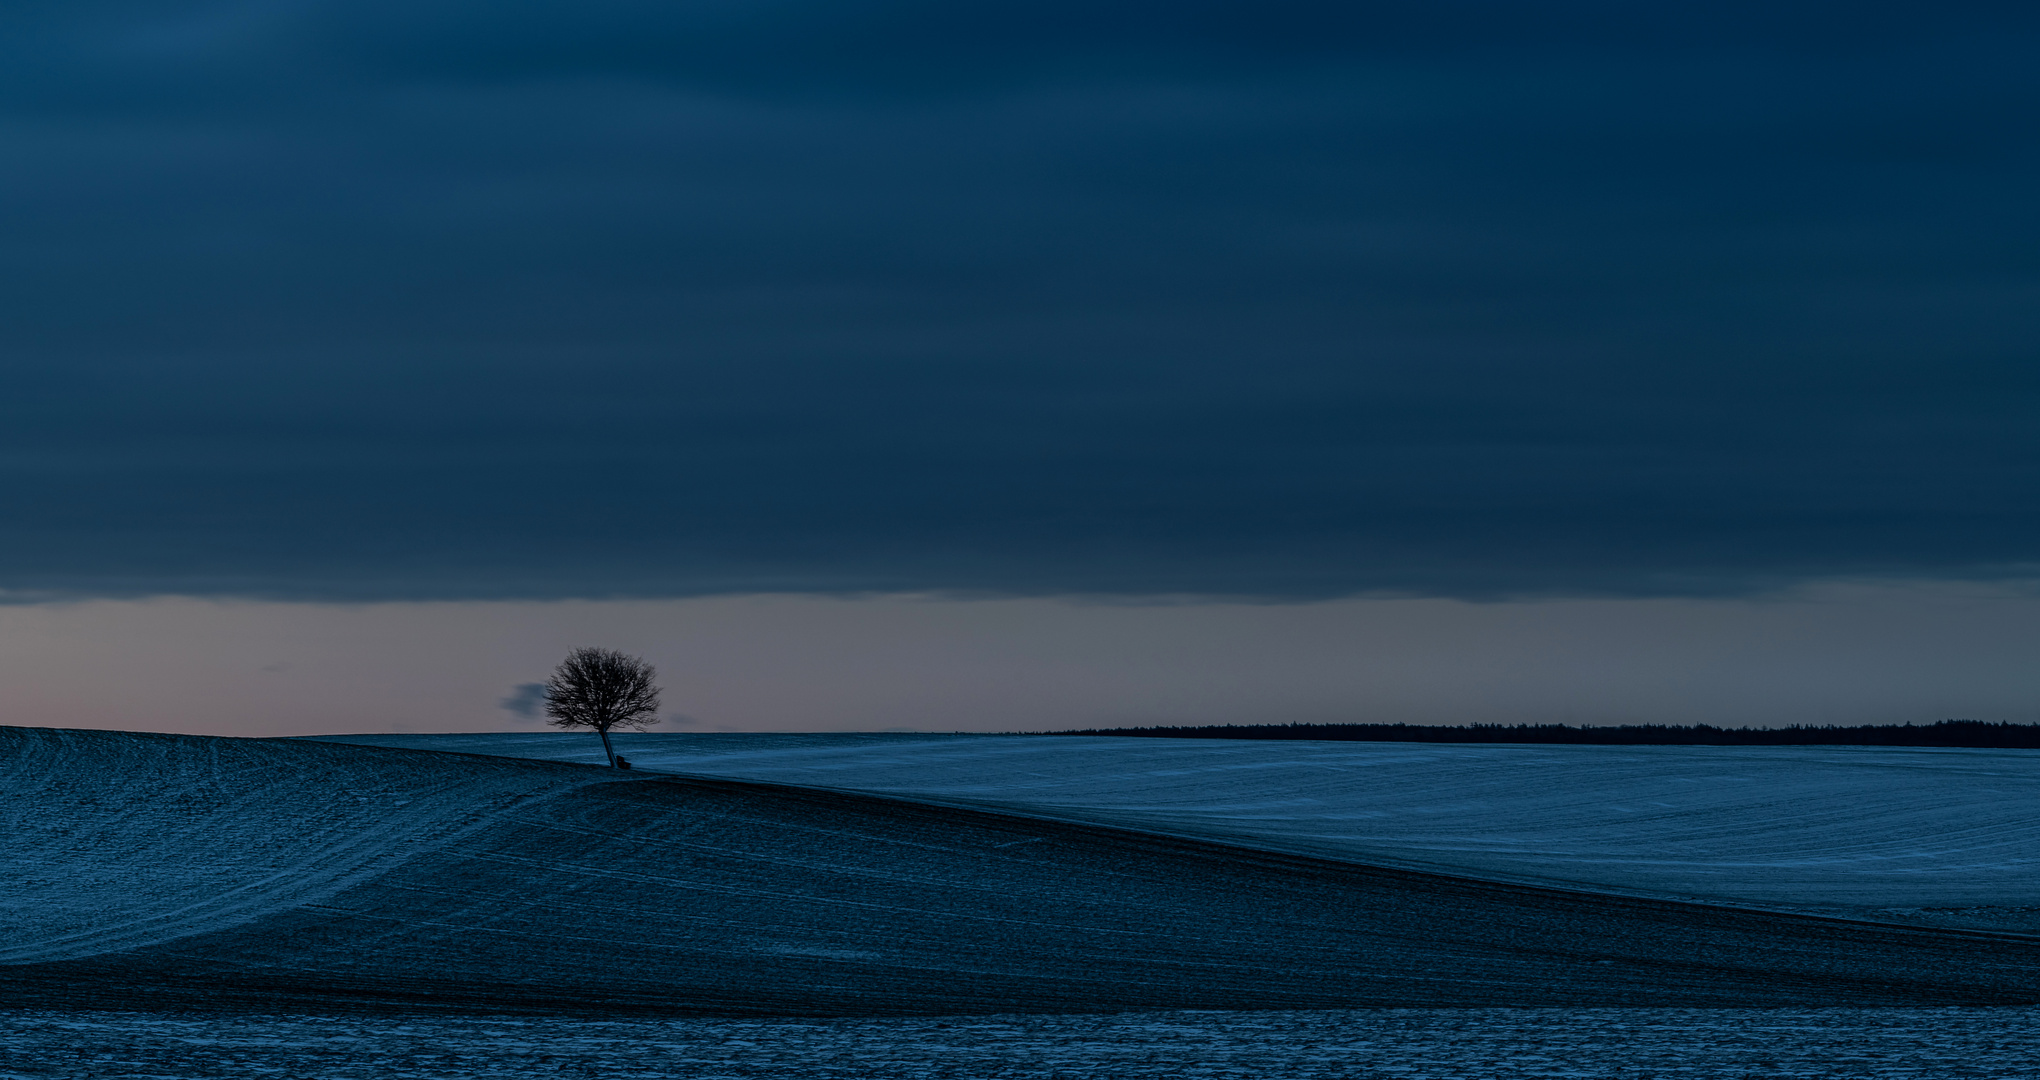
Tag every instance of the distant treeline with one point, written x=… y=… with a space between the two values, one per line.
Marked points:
x=1975 y=733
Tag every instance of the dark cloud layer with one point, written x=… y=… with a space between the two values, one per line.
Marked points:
x=380 y=300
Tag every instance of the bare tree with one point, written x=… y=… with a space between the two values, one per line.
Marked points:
x=602 y=689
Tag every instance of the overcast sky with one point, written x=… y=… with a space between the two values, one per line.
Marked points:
x=534 y=302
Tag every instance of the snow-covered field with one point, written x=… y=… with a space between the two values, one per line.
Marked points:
x=1949 y=837
x=185 y=907
x=1480 y=1044
x=176 y=906
x=118 y=840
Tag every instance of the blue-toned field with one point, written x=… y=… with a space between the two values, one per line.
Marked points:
x=1947 y=836
x=1008 y=906
x=1860 y=1044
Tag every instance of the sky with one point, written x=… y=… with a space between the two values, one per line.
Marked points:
x=1493 y=337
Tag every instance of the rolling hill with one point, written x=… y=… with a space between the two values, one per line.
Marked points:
x=156 y=871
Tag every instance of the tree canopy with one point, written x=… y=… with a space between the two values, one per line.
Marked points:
x=601 y=689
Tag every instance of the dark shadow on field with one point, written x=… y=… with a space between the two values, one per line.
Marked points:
x=705 y=897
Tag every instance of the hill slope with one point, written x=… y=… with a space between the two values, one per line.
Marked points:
x=117 y=840
x=1944 y=837
x=563 y=888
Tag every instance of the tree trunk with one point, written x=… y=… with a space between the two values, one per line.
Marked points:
x=604 y=732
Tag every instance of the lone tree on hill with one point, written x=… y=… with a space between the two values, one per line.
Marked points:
x=602 y=689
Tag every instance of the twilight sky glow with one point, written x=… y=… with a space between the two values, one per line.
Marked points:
x=881 y=364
